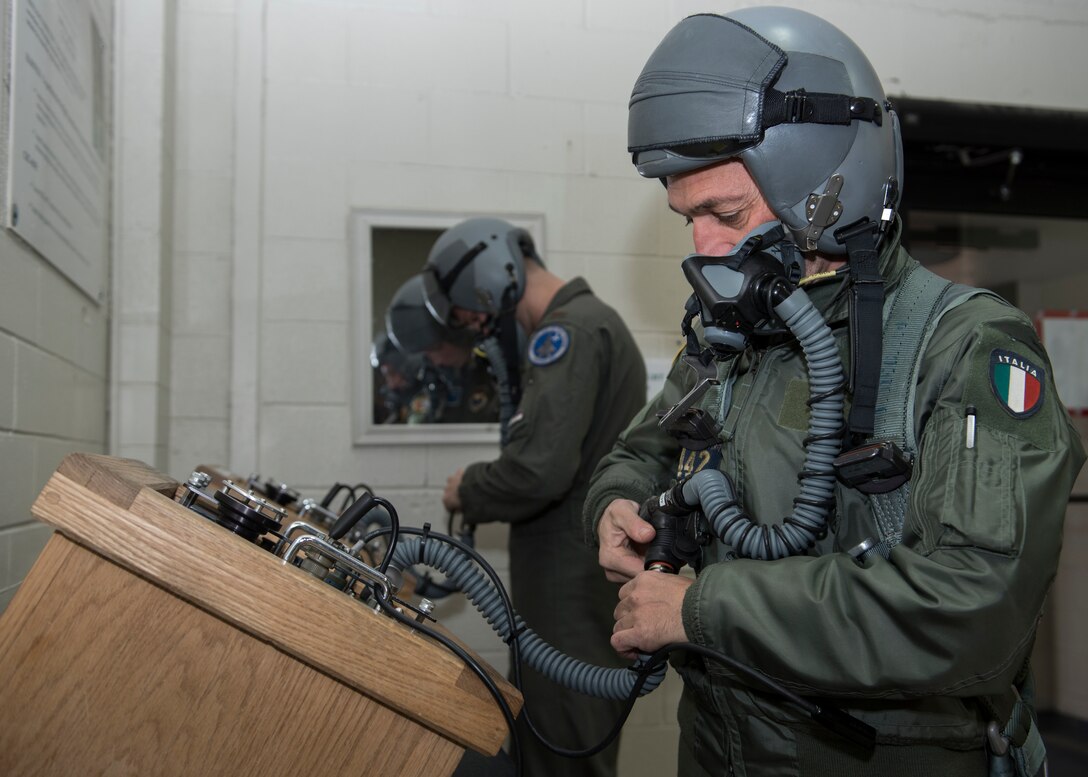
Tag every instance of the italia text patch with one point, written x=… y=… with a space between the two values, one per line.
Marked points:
x=1016 y=382
x=549 y=345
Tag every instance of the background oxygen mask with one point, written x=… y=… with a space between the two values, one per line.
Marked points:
x=737 y=292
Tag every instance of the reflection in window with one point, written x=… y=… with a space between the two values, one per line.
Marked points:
x=451 y=383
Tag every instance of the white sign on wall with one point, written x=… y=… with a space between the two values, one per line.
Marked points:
x=58 y=182
x=1064 y=334
x=657 y=370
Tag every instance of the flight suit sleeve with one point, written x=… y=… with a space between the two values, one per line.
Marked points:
x=643 y=460
x=954 y=608
x=538 y=465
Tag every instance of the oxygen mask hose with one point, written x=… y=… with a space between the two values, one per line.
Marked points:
x=712 y=491
x=485 y=595
x=426 y=585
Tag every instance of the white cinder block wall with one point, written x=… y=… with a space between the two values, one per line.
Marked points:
x=275 y=118
x=54 y=378
x=142 y=230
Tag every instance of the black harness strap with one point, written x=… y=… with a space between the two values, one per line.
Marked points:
x=699 y=358
x=508 y=342
x=866 y=324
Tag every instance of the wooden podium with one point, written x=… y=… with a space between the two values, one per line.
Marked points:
x=147 y=640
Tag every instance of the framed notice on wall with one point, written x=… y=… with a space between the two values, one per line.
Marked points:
x=1065 y=334
x=59 y=157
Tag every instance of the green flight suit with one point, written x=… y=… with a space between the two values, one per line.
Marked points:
x=471 y=396
x=909 y=644
x=578 y=396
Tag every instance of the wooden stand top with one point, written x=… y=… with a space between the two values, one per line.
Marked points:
x=124 y=510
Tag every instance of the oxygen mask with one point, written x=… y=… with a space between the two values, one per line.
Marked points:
x=737 y=293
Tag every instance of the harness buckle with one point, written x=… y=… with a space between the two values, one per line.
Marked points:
x=796 y=106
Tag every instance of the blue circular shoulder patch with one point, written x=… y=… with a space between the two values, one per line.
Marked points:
x=549 y=345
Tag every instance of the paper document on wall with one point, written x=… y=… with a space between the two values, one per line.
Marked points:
x=58 y=181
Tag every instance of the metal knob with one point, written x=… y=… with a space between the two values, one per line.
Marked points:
x=426 y=607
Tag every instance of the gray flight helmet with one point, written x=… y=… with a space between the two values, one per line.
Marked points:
x=723 y=87
x=478 y=265
x=384 y=352
x=410 y=325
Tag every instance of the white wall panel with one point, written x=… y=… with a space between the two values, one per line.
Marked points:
x=133 y=344
x=425 y=188
x=412 y=52
x=310 y=121
x=20 y=484
x=305 y=362
x=139 y=401
x=494 y=132
x=569 y=13
x=303 y=199
x=202 y=215
x=389 y=125
x=303 y=280
x=201 y=364
x=201 y=294
x=604 y=123
x=576 y=64
x=306 y=41
x=8 y=346
x=199 y=441
x=609 y=216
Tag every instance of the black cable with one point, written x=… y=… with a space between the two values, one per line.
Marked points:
x=500 y=589
x=644 y=673
x=833 y=719
x=472 y=664
x=326 y=501
x=394 y=531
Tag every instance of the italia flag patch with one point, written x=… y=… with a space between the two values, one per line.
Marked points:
x=1016 y=382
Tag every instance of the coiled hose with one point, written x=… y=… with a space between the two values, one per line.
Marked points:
x=598 y=681
x=713 y=490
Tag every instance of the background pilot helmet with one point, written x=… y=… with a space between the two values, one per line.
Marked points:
x=721 y=87
x=398 y=368
x=410 y=325
x=478 y=265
